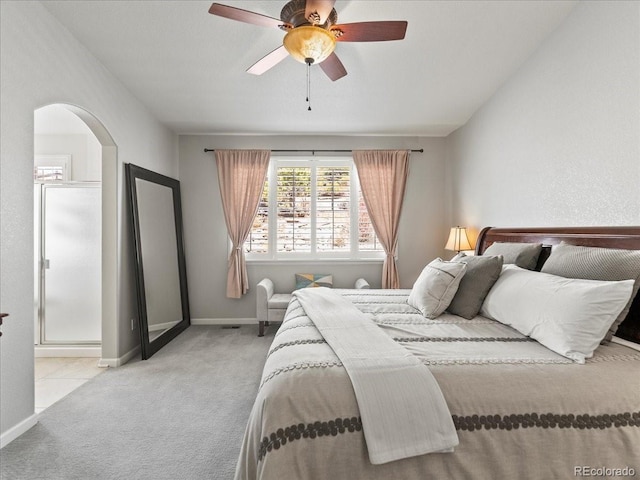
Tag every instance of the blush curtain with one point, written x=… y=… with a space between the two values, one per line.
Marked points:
x=383 y=177
x=241 y=176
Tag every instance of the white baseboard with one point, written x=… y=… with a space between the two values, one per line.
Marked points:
x=67 y=351
x=14 y=432
x=224 y=321
x=118 y=362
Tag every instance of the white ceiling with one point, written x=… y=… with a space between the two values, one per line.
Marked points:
x=188 y=67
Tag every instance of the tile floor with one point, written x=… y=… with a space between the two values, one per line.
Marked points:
x=56 y=377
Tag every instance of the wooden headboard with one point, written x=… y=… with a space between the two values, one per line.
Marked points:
x=627 y=238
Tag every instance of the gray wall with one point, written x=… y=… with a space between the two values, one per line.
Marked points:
x=41 y=64
x=423 y=226
x=559 y=143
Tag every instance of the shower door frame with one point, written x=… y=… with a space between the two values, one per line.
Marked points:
x=41 y=269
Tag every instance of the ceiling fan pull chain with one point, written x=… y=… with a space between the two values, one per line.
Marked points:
x=309 y=84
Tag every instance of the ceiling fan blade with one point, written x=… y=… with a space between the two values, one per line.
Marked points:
x=270 y=60
x=321 y=7
x=333 y=67
x=244 y=16
x=371 y=31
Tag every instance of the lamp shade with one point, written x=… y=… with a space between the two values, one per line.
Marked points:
x=309 y=42
x=458 y=240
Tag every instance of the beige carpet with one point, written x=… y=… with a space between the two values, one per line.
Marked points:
x=179 y=415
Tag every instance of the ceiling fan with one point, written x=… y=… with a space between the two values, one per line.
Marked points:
x=312 y=33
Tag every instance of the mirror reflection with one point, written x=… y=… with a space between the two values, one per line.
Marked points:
x=159 y=247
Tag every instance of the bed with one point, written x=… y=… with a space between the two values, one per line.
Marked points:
x=519 y=409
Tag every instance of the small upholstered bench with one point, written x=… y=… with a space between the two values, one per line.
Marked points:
x=271 y=306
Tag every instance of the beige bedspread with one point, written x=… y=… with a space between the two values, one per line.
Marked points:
x=521 y=411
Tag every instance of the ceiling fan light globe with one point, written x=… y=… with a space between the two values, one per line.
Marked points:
x=308 y=41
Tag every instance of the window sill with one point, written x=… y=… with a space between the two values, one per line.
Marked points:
x=315 y=261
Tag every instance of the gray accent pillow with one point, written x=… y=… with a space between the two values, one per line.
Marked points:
x=482 y=272
x=524 y=255
x=435 y=287
x=594 y=263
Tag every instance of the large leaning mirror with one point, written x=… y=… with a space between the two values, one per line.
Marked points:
x=158 y=246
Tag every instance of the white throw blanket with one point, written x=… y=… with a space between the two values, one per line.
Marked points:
x=403 y=411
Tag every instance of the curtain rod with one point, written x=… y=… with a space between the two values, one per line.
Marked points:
x=313 y=152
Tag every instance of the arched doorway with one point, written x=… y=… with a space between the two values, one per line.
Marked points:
x=108 y=174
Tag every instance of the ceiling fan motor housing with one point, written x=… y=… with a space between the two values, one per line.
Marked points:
x=293 y=13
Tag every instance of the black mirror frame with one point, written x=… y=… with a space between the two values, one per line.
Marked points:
x=133 y=172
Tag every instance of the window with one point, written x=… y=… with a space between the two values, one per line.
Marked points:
x=312 y=208
x=51 y=168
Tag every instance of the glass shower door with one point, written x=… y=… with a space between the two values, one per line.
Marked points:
x=71 y=288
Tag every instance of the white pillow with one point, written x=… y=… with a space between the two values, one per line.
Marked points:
x=435 y=287
x=569 y=316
